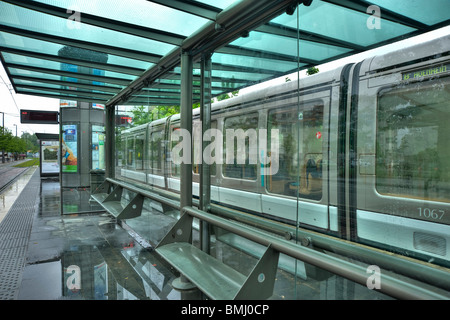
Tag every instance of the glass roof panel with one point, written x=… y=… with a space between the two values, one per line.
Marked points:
x=222 y=4
x=342 y=24
x=24 y=43
x=285 y=45
x=138 y=12
x=57 y=77
x=44 y=23
x=430 y=12
x=63 y=95
x=113 y=44
x=33 y=62
x=77 y=86
x=255 y=62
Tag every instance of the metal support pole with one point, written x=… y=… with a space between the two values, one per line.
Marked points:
x=182 y=283
x=205 y=176
x=110 y=142
x=3 y=125
x=186 y=124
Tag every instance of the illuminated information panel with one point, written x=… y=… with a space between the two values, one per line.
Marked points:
x=39 y=117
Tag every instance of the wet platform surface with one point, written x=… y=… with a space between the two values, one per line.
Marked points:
x=46 y=255
x=91 y=257
x=49 y=256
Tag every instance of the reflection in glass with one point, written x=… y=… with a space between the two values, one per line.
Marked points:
x=305 y=154
x=413 y=158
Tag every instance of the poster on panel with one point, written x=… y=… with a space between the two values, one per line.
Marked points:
x=69 y=147
x=49 y=157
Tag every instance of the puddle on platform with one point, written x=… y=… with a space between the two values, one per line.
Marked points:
x=89 y=257
x=12 y=192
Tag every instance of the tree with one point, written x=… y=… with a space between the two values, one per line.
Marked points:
x=232 y=93
x=31 y=142
x=143 y=114
x=16 y=145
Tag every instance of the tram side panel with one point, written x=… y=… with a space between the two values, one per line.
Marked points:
x=403 y=154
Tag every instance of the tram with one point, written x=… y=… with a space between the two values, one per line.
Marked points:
x=363 y=152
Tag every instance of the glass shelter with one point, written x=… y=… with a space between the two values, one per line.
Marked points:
x=306 y=138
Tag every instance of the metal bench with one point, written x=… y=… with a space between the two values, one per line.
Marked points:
x=109 y=196
x=113 y=203
x=214 y=278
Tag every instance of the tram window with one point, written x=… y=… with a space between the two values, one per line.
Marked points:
x=120 y=143
x=232 y=167
x=130 y=152
x=412 y=150
x=300 y=163
x=156 y=151
x=197 y=148
x=139 y=152
x=175 y=169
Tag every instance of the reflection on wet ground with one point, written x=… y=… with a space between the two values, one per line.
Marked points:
x=92 y=257
x=9 y=195
x=77 y=200
x=88 y=257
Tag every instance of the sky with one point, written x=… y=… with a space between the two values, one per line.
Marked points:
x=11 y=103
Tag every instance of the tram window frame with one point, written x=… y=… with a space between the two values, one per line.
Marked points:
x=240 y=169
x=140 y=151
x=159 y=154
x=415 y=89
x=130 y=151
x=196 y=166
x=308 y=182
x=175 y=169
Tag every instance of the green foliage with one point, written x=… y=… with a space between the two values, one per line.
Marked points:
x=31 y=142
x=10 y=143
x=29 y=163
x=227 y=95
x=142 y=115
x=312 y=70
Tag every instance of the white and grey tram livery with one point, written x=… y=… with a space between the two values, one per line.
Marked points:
x=364 y=152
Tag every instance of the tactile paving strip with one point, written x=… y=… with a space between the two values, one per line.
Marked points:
x=15 y=230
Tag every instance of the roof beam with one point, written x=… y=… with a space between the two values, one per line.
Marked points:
x=239 y=51
x=101 y=96
x=285 y=31
x=94 y=87
x=361 y=6
x=122 y=82
x=127 y=53
x=79 y=62
x=229 y=25
x=64 y=97
x=193 y=7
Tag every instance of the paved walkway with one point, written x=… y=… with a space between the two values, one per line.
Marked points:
x=15 y=230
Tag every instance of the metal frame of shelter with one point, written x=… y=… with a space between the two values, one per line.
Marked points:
x=137 y=76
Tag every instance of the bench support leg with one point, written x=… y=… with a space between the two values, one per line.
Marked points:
x=133 y=209
x=180 y=232
x=259 y=284
x=103 y=188
x=115 y=195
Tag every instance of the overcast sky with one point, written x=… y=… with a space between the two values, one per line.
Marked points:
x=11 y=103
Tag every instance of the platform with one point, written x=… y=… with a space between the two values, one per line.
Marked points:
x=40 y=248
x=48 y=256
